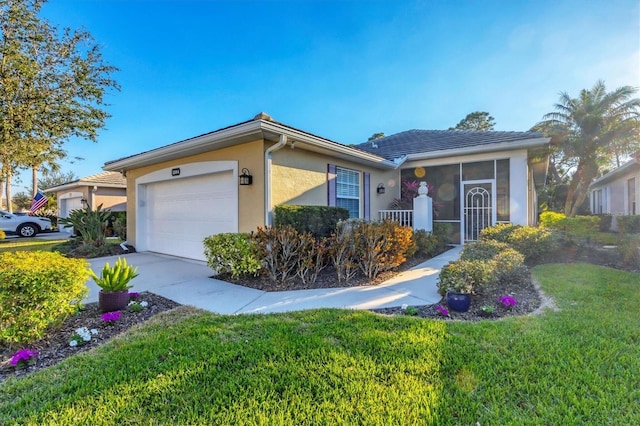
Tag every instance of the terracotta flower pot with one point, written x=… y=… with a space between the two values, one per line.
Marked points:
x=459 y=302
x=110 y=301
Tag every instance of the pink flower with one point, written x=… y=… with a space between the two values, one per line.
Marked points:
x=109 y=317
x=508 y=301
x=443 y=311
x=23 y=355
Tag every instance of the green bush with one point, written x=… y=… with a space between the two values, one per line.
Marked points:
x=232 y=253
x=320 y=221
x=483 y=250
x=499 y=232
x=551 y=219
x=629 y=250
x=88 y=224
x=629 y=224
x=509 y=268
x=444 y=231
x=38 y=290
x=427 y=244
x=605 y=222
x=464 y=276
x=533 y=243
x=119 y=220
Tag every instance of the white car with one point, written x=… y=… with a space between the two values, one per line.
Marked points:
x=24 y=226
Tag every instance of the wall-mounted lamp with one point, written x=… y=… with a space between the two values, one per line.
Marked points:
x=84 y=203
x=380 y=189
x=245 y=177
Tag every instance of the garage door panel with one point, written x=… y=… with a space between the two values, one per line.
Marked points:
x=182 y=212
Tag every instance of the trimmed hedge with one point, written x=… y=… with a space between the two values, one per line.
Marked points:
x=231 y=253
x=320 y=221
x=533 y=243
x=629 y=224
x=38 y=290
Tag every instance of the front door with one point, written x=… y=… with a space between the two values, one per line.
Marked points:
x=478 y=209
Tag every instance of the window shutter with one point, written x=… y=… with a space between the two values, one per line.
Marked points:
x=332 y=183
x=367 y=195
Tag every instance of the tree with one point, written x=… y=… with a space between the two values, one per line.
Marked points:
x=49 y=179
x=589 y=131
x=52 y=87
x=22 y=201
x=375 y=136
x=478 y=120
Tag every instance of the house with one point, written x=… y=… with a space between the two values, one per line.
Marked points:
x=106 y=188
x=617 y=192
x=229 y=180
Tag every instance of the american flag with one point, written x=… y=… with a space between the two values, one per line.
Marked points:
x=39 y=200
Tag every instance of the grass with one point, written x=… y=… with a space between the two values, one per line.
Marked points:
x=21 y=244
x=577 y=365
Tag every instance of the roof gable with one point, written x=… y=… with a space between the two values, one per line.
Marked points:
x=104 y=179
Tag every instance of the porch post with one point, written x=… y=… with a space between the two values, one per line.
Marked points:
x=423 y=210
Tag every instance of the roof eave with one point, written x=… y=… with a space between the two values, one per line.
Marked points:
x=480 y=149
x=77 y=184
x=612 y=175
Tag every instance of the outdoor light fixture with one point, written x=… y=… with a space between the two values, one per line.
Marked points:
x=380 y=189
x=245 y=177
x=84 y=203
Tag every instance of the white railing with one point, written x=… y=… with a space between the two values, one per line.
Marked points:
x=403 y=217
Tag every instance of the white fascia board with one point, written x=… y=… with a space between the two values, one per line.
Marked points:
x=479 y=149
x=74 y=185
x=184 y=148
x=615 y=173
x=306 y=138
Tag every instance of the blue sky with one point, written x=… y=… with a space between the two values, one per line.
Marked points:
x=342 y=69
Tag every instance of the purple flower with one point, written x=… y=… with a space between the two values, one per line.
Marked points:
x=133 y=295
x=508 y=300
x=443 y=311
x=23 y=355
x=111 y=316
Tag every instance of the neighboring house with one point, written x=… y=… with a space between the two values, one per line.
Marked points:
x=618 y=192
x=179 y=193
x=106 y=188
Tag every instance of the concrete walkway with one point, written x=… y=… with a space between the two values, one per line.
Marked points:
x=187 y=282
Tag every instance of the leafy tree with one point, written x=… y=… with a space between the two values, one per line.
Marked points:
x=478 y=120
x=588 y=133
x=375 y=136
x=52 y=87
x=22 y=201
x=51 y=178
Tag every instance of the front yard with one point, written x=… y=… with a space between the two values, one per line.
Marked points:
x=577 y=365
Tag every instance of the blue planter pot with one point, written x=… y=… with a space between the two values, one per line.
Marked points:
x=459 y=302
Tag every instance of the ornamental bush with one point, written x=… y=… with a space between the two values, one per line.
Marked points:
x=499 y=232
x=483 y=250
x=427 y=244
x=232 y=253
x=320 y=221
x=629 y=224
x=464 y=276
x=509 y=268
x=381 y=246
x=38 y=290
x=279 y=248
x=533 y=243
x=551 y=219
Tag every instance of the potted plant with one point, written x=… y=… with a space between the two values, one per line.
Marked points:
x=113 y=282
x=459 y=279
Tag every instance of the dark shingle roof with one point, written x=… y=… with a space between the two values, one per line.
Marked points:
x=424 y=141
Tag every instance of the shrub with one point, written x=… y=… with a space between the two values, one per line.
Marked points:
x=499 y=232
x=232 y=253
x=483 y=250
x=320 y=221
x=88 y=224
x=464 y=276
x=38 y=290
x=2 y=235
x=551 y=219
x=278 y=248
x=381 y=246
x=629 y=224
x=312 y=256
x=605 y=222
x=427 y=244
x=120 y=225
x=533 y=243
x=629 y=249
x=509 y=268
x=343 y=252
x=444 y=231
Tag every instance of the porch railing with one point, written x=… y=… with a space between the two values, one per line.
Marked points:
x=403 y=217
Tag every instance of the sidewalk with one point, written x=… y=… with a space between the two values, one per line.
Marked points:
x=188 y=282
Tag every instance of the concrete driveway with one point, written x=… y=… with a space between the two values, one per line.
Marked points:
x=188 y=282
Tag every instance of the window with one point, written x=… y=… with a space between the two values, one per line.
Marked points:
x=631 y=195
x=597 y=201
x=348 y=191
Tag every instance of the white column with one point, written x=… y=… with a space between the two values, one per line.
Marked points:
x=423 y=209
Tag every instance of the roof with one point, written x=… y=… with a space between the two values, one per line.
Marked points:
x=262 y=126
x=434 y=143
x=103 y=180
x=614 y=174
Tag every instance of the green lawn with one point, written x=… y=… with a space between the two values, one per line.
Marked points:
x=20 y=244
x=576 y=366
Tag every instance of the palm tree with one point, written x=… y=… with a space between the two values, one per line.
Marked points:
x=590 y=130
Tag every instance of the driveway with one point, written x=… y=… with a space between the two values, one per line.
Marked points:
x=188 y=282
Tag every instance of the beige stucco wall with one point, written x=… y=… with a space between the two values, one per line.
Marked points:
x=108 y=197
x=300 y=177
x=249 y=155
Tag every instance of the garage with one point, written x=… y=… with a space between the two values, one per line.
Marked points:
x=176 y=215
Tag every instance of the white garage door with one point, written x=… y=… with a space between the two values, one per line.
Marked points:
x=66 y=205
x=182 y=212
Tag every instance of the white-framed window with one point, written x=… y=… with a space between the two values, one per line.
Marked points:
x=348 y=191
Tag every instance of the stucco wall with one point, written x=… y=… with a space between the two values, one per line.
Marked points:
x=110 y=198
x=300 y=177
x=615 y=196
x=249 y=155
